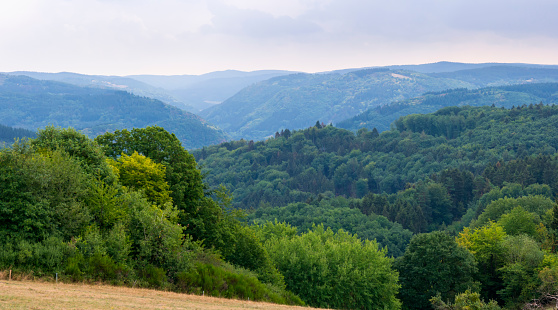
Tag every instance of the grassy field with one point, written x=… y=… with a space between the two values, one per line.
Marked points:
x=48 y=295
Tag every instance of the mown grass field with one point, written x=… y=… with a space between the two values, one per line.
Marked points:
x=48 y=295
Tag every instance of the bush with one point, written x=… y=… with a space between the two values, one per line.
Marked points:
x=227 y=281
x=336 y=270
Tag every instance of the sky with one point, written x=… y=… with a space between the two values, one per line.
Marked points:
x=172 y=37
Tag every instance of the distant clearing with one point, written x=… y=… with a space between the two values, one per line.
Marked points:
x=43 y=295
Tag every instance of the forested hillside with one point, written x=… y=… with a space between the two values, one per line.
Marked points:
x=502 y=75
x=504 y=96
x=32 y=104
x=298 y=100
x=9 y=134
x=206 y=90
x=464 y=198
x=131 y=208
x=298 y=165
x=127 y=84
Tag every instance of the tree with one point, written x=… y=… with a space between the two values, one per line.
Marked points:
x=518 y=221
x=434 y=264
x=464 y=301
x=41 y=194
x=77 y=145
x=335 y=270
x=519 y=274
x=535 y=204
x=142 y=174
x=486 y=244
x=197 y=213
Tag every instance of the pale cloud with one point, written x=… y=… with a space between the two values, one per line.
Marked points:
x=197 y=36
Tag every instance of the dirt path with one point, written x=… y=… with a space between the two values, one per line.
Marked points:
x=40 y=295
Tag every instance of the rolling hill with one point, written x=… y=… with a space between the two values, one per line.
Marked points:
x=29 y=103
x=504 y=96
x=299 y=100
x=206 y=90
x=108 y=82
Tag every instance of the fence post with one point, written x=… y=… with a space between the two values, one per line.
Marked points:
x=10 y=275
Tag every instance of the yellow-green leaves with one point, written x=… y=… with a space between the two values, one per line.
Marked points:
x=141 y=173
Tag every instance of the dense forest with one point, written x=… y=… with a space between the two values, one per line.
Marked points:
x=29 y=103
x=132 y=208
x=9 y=134
x=296 y=101
x=510 y=96
x=450 y=210
x=475 y=185
x=300 y=165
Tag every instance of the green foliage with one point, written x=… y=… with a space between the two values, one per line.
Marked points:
x=10 y=134
x=538 y=205
x=106 y=203
x=464 y=301
x=225 y=281
x=142 y=174
x=315 y=161
x=258 y=111
x=520 y=281
x=41 y=194
x=383 y=116
x=433 y=264
x=336 y=214
x=336 y=270
x=486 y=244
x=519 y=221
x=31 y=104
x=76 y=145
x=64 y=210
x=181 y=173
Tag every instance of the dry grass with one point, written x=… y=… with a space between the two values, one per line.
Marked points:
x=47 y=295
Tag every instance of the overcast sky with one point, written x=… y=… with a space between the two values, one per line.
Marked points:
x=121 y=37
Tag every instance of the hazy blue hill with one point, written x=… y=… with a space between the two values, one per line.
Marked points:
x=29 y=103
x=503 y=96
x=503 y=75
x=109 y=82
x=446 y=66
x=206 y=90
x=299 y=100
x=9 y=134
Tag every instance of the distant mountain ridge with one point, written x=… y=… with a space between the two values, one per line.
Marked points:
x=107 y=82
x=298 y=101
x=504 y=96
x=192 y=93
x=29 y=103
x=206 y=90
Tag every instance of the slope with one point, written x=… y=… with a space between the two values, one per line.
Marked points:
x=503 y=96
x=302 y=165
x=9 y=134
x=503 y=75
x=298 y=100
x=31 y=104
x=128 y=84
x=206 y=90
